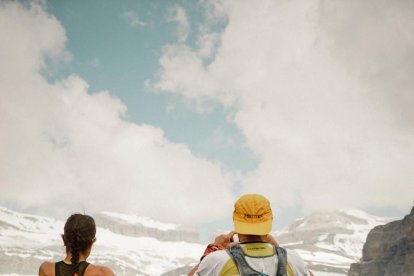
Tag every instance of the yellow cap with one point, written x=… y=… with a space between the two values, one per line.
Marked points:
x=252 y=215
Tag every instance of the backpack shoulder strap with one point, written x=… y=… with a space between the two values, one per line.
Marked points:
x=282 y=261
x=236 y=252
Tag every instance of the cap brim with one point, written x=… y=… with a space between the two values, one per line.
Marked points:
x=261 y=228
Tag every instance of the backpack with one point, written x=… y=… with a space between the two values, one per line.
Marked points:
x=238 y=255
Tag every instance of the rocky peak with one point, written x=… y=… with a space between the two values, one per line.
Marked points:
x=389 y=250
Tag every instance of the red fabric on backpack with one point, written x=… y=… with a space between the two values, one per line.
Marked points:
x=211 y=248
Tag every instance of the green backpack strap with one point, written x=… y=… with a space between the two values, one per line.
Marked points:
x=282 y=261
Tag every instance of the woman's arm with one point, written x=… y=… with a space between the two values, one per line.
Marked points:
x=47 y=269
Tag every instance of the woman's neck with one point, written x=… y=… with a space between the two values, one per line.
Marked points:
x=82 y=257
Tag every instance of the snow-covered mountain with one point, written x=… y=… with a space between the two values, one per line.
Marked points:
x=328 y=241
x=27 y=240
x=135 y=226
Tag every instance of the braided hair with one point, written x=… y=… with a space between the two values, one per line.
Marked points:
x=79 y=234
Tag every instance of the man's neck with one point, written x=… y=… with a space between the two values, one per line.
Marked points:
x=251 y=238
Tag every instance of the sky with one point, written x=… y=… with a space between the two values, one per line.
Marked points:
x=173 y=109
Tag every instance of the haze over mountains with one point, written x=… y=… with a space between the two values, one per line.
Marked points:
x=328 y=241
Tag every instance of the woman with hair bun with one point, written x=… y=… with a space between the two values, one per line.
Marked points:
x=78 y=238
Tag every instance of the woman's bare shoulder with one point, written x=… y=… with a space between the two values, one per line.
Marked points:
x=47 y=269
x=98 y=270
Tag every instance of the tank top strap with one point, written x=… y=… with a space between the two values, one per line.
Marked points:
x=82 y=268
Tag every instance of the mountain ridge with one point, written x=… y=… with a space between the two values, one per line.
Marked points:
x=328 y=241
x=28 y=240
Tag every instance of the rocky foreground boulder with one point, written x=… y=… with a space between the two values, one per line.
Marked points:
x=389 y=250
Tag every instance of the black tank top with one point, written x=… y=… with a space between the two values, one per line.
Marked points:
x=64 y=269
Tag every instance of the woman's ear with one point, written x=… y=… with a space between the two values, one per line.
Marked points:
x=93 y=241
x=63 y=239
x=89 y=249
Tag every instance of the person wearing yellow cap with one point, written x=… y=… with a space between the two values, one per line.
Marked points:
x=256 y=252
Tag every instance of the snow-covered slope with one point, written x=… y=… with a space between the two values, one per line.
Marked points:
x=135 y=226
x=27 y=240
x=330 y=241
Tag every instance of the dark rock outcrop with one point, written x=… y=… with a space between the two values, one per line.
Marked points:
x=389 y=250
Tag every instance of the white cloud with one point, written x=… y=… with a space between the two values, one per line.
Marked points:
x=220 y=139
x=63 y=149
x=317 y=89
x=179 y=16
x=174 y=79
x=207 y=44
x=133 y=20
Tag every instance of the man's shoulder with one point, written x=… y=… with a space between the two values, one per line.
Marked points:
x=296 y=263
x=98 y=270
x=217 y=256
x=217 y=263
x=293 y=254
